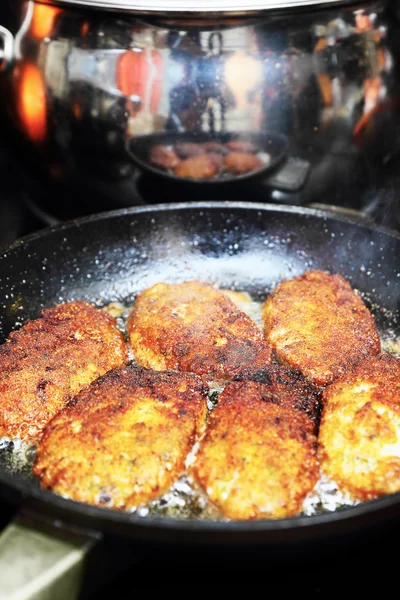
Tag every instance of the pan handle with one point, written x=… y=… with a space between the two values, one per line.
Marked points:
x=358 y=216
x=40 y=562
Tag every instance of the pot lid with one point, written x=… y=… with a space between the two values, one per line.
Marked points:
x=196 y=6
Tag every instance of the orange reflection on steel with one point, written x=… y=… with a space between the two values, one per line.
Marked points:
x=77 y=111
x=43 y=20
x=141 y=74
x=243 y=74
x=85 y=29
x=31 y=101
x=325 y=86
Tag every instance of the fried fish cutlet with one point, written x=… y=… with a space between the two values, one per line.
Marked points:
x=240 y=163
x=203 y=166
x=318 y=325
x=123 y=441
x=50 y=359
x=359 y=440
x=257 y=459
x=194 y=327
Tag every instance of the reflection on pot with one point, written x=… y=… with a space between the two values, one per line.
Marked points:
x=84 y=84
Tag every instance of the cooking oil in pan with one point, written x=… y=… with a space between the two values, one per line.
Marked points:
x=185 y=500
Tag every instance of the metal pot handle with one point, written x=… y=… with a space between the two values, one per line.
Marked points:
x=358 y=216
x=41 y=562
x=6 y=49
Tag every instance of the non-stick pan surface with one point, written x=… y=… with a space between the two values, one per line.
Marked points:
x=111 y=256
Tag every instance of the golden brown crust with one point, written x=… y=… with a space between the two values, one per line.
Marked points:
x=359 y=441
x=197 y=167
x=257 y=459
x=194 y=327
x=240 y=163
x=50 y=359
x=123 y=440
x=318 y=325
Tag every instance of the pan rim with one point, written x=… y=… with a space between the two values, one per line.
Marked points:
x=70 y=509
x=199 y=204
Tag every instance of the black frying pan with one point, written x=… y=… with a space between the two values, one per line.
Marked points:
x=271 y=143
x=112 y=256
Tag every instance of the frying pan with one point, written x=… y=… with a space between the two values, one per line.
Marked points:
x=245 y=246
x=272 y=143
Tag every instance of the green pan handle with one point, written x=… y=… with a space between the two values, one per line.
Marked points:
x=40 y=561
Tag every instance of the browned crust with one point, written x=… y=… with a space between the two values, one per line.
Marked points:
x=360 y=429
x=257 y=458
x=198 y=167
x=381 y=371
x=240 y=163
x=285 y=387
x=123 y=440
x=52 y=358
x=318 y=325
x=194 y=327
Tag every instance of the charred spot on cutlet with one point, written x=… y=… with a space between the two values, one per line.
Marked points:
x=196 y=328
x=181 y=349
x=41 y=388
x=286 y=387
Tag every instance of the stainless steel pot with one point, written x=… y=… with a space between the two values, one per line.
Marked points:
x=81 y=79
